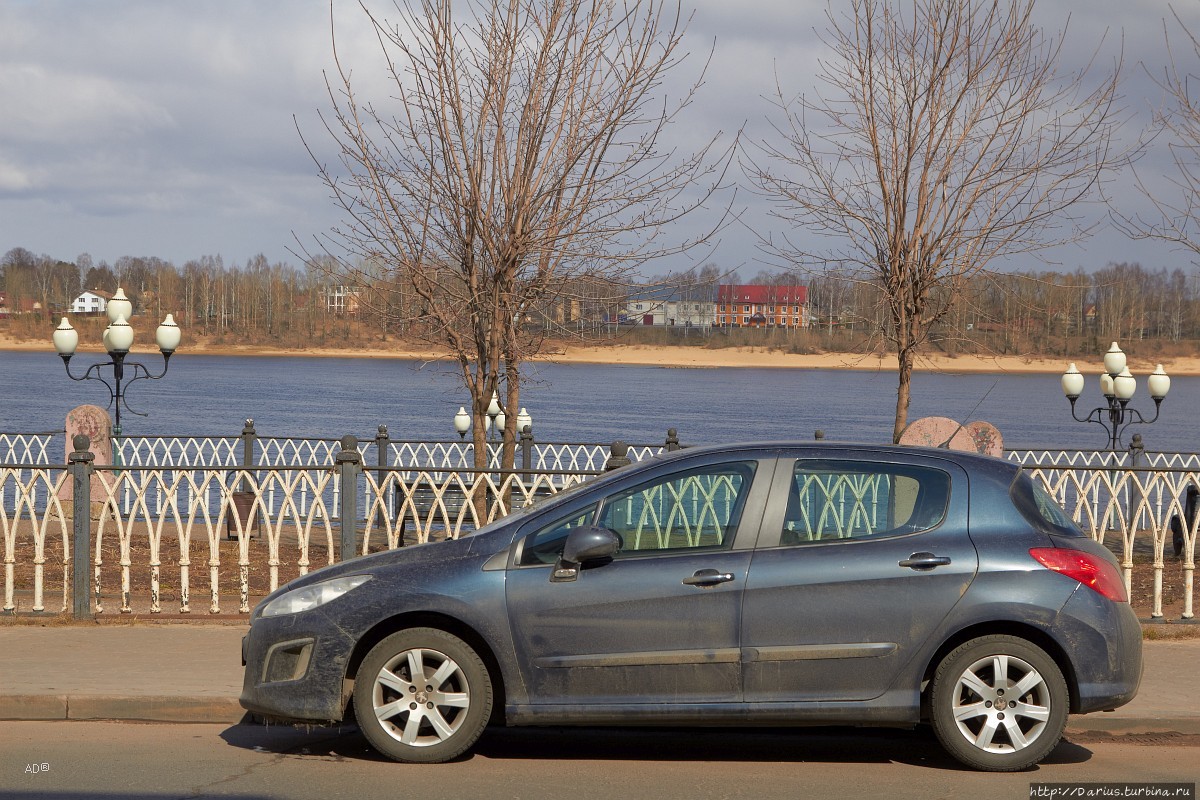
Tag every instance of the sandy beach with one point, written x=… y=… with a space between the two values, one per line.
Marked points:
x=681 y=357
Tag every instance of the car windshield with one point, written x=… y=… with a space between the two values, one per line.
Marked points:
x=537 y=503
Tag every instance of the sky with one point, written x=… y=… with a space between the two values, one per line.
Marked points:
x=172 y=128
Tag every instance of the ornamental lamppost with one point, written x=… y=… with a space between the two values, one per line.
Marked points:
x=494 y=422
x=1118 y=386
x=117 y=339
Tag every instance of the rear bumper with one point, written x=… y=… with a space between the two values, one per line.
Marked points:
x=1105 y=640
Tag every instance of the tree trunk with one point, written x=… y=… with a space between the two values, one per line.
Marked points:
x=903 y=392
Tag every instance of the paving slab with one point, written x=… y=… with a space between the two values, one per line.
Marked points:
x=181 y=673
x=1167 y=700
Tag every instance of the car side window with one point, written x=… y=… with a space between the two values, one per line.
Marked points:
x=545 y=545
x=832 y=500
x=693 y=510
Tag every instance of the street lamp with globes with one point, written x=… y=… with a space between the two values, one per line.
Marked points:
x=1117 y=385
x=117 y=340
x=494 y=421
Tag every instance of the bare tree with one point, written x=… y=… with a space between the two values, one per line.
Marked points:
x=1177 y=206
x=522 y=154
x=942 y=136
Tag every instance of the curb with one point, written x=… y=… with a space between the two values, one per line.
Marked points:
x=228 y=711
x=131 y=708
x=1121 y=726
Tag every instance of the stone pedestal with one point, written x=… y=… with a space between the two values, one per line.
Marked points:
x=93 y=422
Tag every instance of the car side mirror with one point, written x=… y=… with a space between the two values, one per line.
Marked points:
x=583 y=546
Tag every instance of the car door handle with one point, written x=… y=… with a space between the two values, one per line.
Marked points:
x=925 y=561
x=708 y=577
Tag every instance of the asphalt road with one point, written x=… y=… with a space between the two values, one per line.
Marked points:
x=104 y=760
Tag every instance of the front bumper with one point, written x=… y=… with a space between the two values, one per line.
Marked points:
x=295 y=668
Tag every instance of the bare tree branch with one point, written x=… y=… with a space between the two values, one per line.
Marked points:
x=521 y=155
x=942 y=137
x=1177 y=208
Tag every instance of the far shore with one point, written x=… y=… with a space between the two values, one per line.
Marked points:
x=682 y=357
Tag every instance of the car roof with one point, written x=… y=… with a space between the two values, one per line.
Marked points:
x=826 y=447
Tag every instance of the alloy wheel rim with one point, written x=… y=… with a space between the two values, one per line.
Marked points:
x=421 y=697
x=1001 y=704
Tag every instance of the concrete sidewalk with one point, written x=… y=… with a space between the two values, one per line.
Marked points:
x=192 y=672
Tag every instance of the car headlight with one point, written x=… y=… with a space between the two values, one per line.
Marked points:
x=313 y=595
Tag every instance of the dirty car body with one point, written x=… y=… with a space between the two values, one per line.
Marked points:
x=763 y=584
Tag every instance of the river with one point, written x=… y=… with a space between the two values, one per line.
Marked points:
x=329 y=397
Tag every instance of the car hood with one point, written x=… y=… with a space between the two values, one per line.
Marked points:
x=475 y=546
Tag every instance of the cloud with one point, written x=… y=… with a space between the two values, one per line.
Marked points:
x=12 y=178
x=52 y=106
x=165 y=127
x=138 y=112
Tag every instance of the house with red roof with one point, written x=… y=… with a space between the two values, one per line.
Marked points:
x=761 y=306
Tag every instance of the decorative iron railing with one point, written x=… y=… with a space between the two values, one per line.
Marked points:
x=250 y=449
x=245 y=531
x=156 y=533
x=1144 y=509
x=26 y=448
x=1089 y=459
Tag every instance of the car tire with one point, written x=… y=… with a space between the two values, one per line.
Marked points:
x=998 y=703
x=422 y=695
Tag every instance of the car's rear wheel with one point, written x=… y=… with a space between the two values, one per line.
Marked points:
x=999 y=703
x=422 y=695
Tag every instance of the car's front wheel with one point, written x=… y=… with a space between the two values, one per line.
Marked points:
x=998 y=703
x=422 y=695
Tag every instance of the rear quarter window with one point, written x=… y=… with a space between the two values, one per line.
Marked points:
x=1040 y=509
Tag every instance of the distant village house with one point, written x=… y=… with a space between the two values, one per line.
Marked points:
x=92 y=302
x=341 y=300
x=759 y=306
x=665 y=306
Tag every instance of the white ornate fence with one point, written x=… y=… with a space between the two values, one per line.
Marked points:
x=46 y=448
x=27 y=448
x=1137 y=506
x=228 y=532
x=175 y=529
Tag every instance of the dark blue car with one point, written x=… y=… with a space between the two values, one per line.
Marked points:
x=807 y=584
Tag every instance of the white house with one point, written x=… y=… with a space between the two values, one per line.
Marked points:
x=342 y=300
x=665 y=307
x=92 y=302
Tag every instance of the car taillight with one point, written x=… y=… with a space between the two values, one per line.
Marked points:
x=1092 y=571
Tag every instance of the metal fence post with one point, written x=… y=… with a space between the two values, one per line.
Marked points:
x=1137 y=458
x=527 y=448
x=672 y=443
x=349 y=463
x=81 y=497
x=618 y=456
x=249 y=435
x=382 y=448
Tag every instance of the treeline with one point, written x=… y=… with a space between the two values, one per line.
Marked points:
x=258 y=300
x=1034 y=313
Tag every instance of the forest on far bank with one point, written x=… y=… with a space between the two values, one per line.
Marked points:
x=1152 y=313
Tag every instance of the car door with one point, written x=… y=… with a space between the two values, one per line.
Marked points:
x=861 y=559
x=659 y=622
